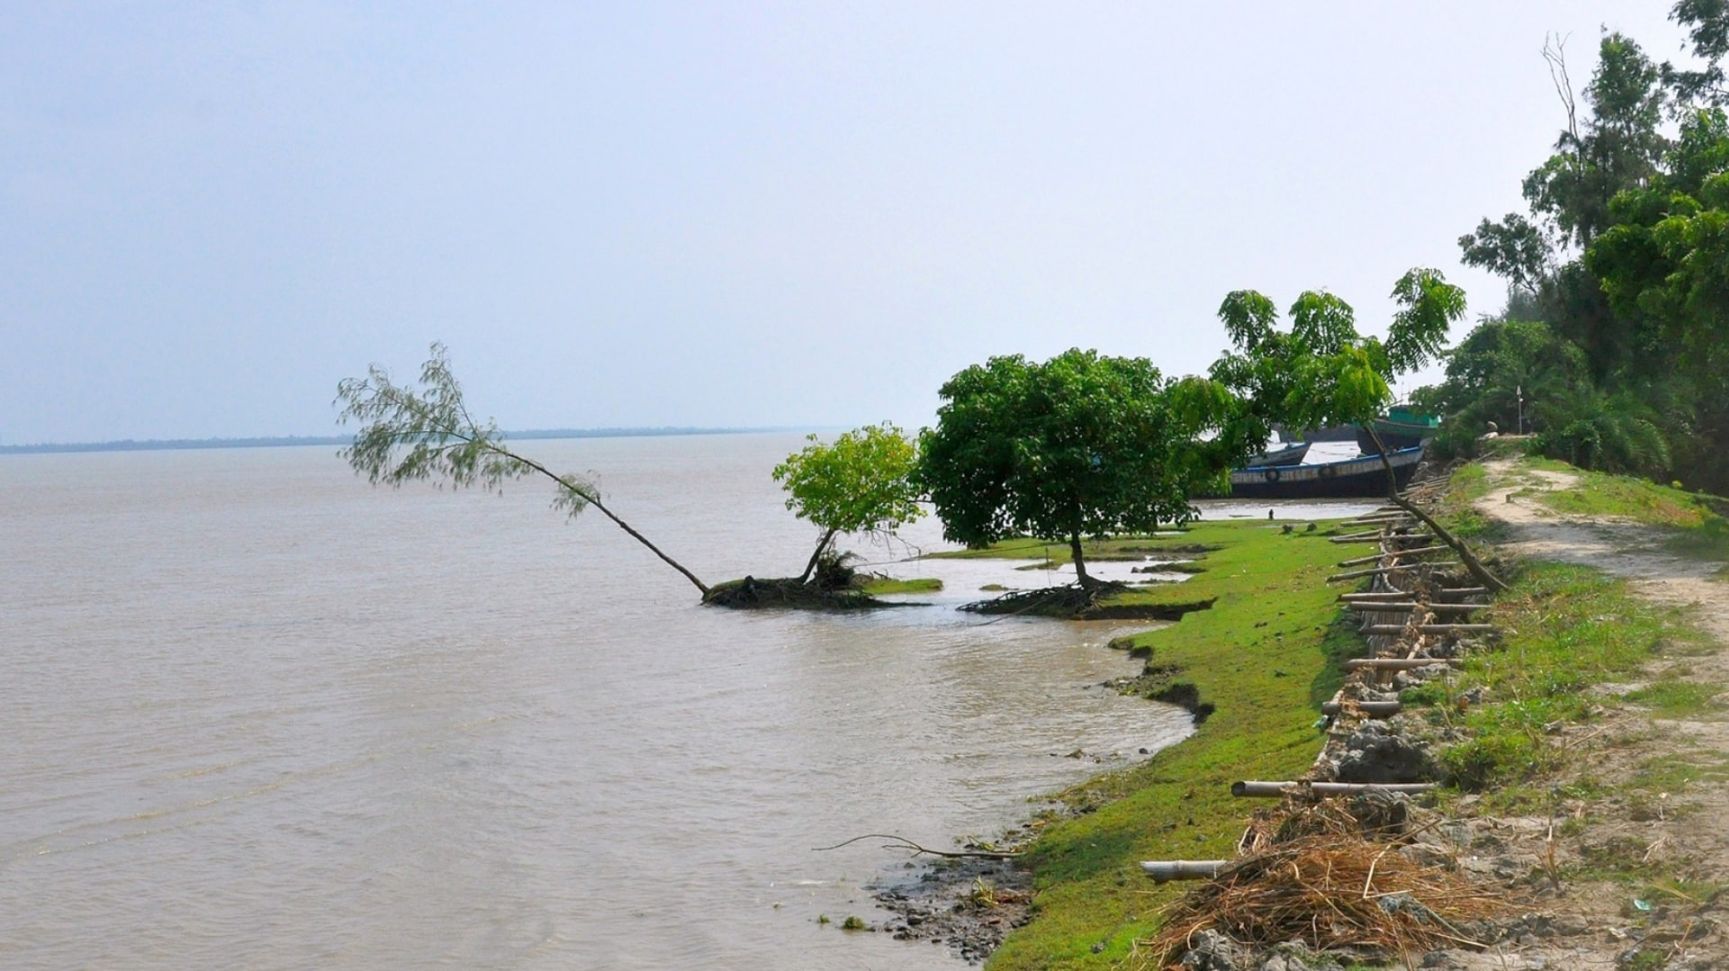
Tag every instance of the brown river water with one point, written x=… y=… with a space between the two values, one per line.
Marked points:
x=258 y=714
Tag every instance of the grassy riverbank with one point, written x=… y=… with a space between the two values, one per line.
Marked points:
x=1264 y=656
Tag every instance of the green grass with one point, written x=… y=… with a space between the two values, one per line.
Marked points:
x=1673 y=773
x=1623 y=496
x=1262 y=655
x=1676 y=699
x=877 y=586
x=1469 y=484
x=1565 y=628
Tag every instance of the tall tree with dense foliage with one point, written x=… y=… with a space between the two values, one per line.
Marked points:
x=858 y=483
x=1080 y=446
x=1621 y=261
x=409 y=435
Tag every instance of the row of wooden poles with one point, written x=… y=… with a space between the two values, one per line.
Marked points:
x=1407 y=612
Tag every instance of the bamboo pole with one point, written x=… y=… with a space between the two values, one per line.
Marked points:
x=1371 y=559
x=1430 y=628
x=1371 y=596
x=1393 y=605
x=1275 y=789
x=1163 y=870
x=1359 y=574
x=1397 y=663
x=1379 y=709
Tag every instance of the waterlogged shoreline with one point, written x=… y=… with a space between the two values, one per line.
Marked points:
x=1251 y=668
x=1253 y=644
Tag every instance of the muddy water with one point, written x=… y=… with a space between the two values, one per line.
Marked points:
x=259 y=714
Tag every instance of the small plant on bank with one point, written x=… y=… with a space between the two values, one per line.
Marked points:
x=852 y=924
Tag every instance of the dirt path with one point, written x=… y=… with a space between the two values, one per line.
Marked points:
x=1620 y=547
x=1681 y=839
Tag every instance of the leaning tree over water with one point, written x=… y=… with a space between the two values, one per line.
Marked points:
x=409 y=435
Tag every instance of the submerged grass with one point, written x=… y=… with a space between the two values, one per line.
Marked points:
x=877 y=585
x=1262 y=655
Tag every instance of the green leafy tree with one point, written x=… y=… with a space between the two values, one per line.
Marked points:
x=426 y=434
x=1611 y=143
x=859 y=483
x=1497 y=373
x=1322 y=371
x=1080 y=446
x=1707 y=26
x=1664 y=265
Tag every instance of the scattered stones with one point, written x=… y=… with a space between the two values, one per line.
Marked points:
x=1375 y=752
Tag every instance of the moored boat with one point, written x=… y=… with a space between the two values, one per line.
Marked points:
x=1288 y=455
x=1361 y=476
x=1402 y=428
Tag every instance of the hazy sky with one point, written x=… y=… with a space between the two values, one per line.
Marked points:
x=718 y=214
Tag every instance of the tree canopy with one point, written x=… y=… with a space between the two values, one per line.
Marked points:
x=1617 y=326
x=1322 y=371
x=1081 y=445
x=859 y=483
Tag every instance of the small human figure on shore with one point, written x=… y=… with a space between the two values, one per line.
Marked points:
x=1269 y=515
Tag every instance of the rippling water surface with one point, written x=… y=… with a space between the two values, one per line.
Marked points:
x=259 y=714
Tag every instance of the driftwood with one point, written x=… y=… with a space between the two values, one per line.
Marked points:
x=902 y=843
x=1163 y=870
x=1276 y=789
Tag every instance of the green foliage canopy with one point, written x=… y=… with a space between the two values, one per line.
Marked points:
x=1322 y=371
x=859 y=483
x=1081 y=445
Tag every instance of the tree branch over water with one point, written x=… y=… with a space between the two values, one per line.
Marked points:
x=408 y=436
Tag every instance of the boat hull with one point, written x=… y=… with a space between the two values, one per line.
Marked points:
x=1289 y=455
x=1396 y=434
x=1352 y=478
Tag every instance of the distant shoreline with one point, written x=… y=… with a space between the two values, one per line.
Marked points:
x=278 y=441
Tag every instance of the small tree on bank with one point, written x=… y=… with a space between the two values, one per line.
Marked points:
x=859 y=483
x=1080 y=446
x=408 y=435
